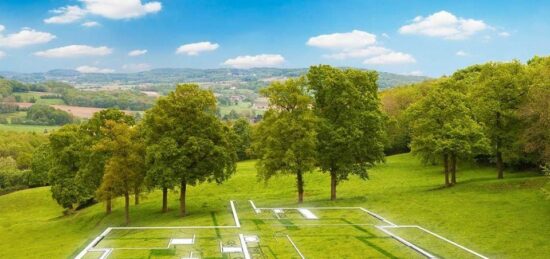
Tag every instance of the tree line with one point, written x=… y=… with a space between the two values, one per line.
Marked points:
x=495 y=113
x=329 y=119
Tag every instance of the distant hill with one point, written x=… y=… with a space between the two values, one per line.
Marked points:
x=255 y=76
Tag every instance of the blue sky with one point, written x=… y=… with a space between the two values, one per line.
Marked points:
x=408 y=37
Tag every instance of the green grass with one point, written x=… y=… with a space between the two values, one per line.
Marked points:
x=498 y=218
x=27 y=128
x=241 y=107
x=26 y=97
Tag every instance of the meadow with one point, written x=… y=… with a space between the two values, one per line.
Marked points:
x=499 y=218
x=27 y=128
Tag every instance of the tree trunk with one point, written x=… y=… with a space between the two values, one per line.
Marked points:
x=108 y=206
x=446 y=164
x=183 y=189
x=164 y=199
x=127 y=207
x=500 y=166
x=333 y=183
x=453 y=169
x=300 y=185
x=136 y=196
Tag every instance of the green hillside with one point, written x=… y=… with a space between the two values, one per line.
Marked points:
x=499 y=218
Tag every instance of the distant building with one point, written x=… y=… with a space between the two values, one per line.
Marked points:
x=261 y=103
x=237 y=98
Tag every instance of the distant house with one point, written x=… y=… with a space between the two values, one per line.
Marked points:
x=261 y=103
x=237 y=98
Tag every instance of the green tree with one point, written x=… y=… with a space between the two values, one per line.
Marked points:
x=187 y=142
x=443 y=126
x=285 y=140
x=350 y=129
x=40 y=166
x=242 y=130
x=501 y=89
x=93 y=160
x=535 y=112
x=125 y=168
x=66 y=150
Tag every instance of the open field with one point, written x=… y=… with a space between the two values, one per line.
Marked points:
x=27 y=128
x=77 y=111
x=481 y=213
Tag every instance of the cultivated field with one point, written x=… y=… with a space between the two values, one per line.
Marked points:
x=481 y=213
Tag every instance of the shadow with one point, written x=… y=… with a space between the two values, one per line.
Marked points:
x=360 y=228
x=215 y=222
x=375 y=247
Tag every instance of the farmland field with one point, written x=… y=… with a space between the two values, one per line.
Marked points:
x=27 y=128
x=476 y=213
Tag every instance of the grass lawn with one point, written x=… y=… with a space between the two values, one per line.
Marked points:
x=499 y=218
x=27 y=128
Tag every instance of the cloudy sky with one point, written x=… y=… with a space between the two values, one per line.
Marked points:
x=408 y=37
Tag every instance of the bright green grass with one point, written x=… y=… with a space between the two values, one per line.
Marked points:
x=26 y=97
x=27 y=128
x=498 y=218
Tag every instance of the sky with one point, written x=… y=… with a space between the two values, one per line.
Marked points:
x=431 y=38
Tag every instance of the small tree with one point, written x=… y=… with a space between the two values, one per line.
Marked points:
x=350 y=129
x=188 y=144
x=242 y=130
x=125 y=168
x=285 y=140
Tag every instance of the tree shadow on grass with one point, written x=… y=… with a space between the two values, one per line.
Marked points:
x=366 y=241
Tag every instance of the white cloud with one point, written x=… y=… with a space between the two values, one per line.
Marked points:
x=25 y=37
x=444 y=25
x=2 y=27
x=263 y=60
x=461 y=53
x=137 y=52
x=358 y=53
x=504 y=34
x=74 y=51
x=194 y=49
x=67 y=14
x=385 y=35
x=136 y=67
x=2 y=54
x=119 y=9
x=90 y=69
x=347 y=40
x=391 y=58
x=90 y=24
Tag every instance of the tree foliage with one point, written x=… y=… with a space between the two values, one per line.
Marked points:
x=285 y=140
x=187 y=143
x=350 y=129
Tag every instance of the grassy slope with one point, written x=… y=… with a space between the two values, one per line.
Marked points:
x=504 y=219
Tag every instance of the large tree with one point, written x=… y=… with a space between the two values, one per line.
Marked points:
x=443 y=126
x=535 y=112
x=285 y=140
x=501 y=89
x=125 y=167
x=188 y=144
x=66 y=145
x=350 y=129
x=93 y=160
